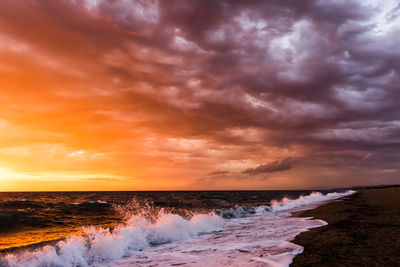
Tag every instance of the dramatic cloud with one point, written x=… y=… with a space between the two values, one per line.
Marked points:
x=275 y=166
x=160 y=93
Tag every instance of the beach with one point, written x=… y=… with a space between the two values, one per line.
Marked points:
x=363 y=230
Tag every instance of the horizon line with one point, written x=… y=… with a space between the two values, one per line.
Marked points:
x=211 y=190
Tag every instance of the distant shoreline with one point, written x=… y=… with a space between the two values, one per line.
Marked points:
x=215 y=190
x=363 y=230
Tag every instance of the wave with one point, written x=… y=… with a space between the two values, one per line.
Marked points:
x=98 y=202
x=312 y=199
x=99 y=245
x=19 y=215
x=283 y=204
x=145 y=228
x=21 y=204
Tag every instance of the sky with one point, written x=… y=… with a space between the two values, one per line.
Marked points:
x=198 y=94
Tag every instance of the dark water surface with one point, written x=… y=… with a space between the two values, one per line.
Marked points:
x=35 y=217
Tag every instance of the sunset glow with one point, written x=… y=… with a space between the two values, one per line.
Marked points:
x=187 y=95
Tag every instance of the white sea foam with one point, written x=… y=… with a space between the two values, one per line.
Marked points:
x=103 y=245
x=315 y=198
x=260 y=239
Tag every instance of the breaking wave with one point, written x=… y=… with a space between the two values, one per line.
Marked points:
x=283 y=204
x=146 y=227
x=315 y=198
x=100 y=245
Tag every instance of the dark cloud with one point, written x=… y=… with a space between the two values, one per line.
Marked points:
x=275 y=166
x=218 y=172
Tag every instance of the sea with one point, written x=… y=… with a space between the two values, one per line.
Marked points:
x=174 y=228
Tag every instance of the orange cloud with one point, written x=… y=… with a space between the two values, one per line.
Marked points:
x=133 y=95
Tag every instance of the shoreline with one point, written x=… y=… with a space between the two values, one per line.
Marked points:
x=351 y=219
x=363 y=230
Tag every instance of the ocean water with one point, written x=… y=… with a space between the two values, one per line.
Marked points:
x=199 y=228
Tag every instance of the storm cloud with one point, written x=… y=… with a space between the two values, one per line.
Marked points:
x=196 y=86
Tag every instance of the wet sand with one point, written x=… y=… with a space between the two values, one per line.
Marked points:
x=363 y=230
